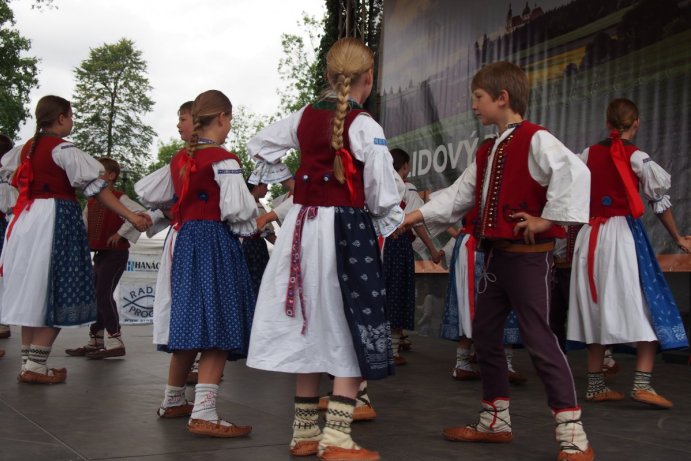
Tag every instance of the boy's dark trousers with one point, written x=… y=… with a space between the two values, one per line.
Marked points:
x=559 y=310
x=108 y=268
x=519 y=281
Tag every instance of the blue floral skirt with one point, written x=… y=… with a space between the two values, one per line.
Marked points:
x=212 y=298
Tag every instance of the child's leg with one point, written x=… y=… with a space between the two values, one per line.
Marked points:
x=642 y=390
x=36 y=367
x=306 y=432
x=336 y=439
x=204 y=419
x=597 y=389
x=175 y=402
x=464 y=369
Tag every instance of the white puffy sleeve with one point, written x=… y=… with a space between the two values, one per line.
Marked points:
x=283 y=208
x=654 y=181
x=269 y=145
x=448 y=206
x=127 y=230
x=566 y=177
x=8 y=194
x=83 y=171
x=156 y=190
x=368 y=144
x=159 y=222
x=238 y=207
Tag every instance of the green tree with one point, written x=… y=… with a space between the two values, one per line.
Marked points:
x=111 y=96
x=17 y=74
x=245 y=125
x=166 y=151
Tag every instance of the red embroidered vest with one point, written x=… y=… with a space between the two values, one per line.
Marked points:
x=315 y=184
x=607 y=190
x=50 y=181
x=102 y=224
x=511 y=188
x=201 y=200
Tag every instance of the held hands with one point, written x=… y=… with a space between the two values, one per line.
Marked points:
x=530 y=225
x=141 y=222
x=684 y=244
x=113 y=240
x=438 y=256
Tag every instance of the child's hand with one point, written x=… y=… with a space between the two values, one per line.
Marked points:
x=438 y=256
x=113 y=240
x=141 y=222
x=530 y=225
x=684 y=244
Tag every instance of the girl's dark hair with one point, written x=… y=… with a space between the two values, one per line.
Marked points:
x=621 y=113
x=48 y=109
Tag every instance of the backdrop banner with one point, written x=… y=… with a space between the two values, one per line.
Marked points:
x=578 y=54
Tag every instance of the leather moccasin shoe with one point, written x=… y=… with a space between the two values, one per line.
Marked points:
x=651 y=398
x=364 y=413
x=332 y=453
x=103 y=353
x=459 y=374
x=305 y=448
x=607 y=396
x=587 y=455
x=58 y=375
x=215 y=429
x=471 y=434
x=175 y=412
x=80 y=351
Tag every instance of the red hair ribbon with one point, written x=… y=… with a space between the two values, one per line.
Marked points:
x=349 y=169
x=186 y=165
x=623 y=166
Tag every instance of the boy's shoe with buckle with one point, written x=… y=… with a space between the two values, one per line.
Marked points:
x=216 y=429
x=651 y=398
x=177 y=411
x=333 y=453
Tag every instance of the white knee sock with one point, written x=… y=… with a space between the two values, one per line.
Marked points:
x=205 y=403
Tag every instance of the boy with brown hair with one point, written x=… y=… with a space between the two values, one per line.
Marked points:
x=522 y=183
x=109 y=239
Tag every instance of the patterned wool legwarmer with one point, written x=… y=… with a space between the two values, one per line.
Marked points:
x=339 y=417
x=25 y=355
x=38 y=357
x=306 y=422
x=205 y=403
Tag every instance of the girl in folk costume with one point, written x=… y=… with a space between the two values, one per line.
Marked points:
x=321 y=304
x=399 y=263
x=618 y=292
x=46 y=244
x=211 y=300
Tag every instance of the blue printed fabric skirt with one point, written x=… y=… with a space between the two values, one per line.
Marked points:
x=450 y=319
x=362 y=288
x=71 y=291
x=212 y=298
x=257 y=257
x=399 y=274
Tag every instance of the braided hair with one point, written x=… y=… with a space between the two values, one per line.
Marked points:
x=346 y=61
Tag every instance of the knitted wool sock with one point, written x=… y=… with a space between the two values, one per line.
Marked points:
x=38 y=356
x=596 y=384
x=463 y=359
x=339 y=417
x=205 y=404
x=305 y=424
x=174 y=397
x=25 y=355
x=641 y=381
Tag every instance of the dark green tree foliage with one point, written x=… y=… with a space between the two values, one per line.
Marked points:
x=111 y=96
x=166 y=151
x=17 y=74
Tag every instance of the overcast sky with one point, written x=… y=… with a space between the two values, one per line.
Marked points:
x=190 y=46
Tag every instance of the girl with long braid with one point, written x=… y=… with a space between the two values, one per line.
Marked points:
x=45 y=269
x=212 y=302
x=321 y=303
x=618 y=292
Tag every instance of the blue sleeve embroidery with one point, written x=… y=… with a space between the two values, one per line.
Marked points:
x=380 y=142
x=237 y=171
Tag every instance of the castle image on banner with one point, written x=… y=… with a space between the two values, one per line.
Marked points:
x=527 y=15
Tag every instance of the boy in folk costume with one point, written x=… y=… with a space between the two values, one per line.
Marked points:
x=520 y=184
x=618 y=292
x=109 y=238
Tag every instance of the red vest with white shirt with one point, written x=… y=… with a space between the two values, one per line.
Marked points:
x=49 y=180
x=607 y=190
x=102 y=224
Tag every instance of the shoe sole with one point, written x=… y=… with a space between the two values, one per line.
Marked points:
x=119 y=353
